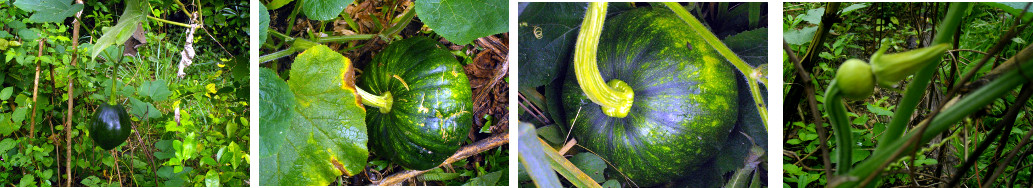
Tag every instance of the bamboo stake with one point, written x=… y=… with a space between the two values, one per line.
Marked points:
x=71 y=98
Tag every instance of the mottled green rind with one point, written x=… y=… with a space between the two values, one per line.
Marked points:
x=685 y=98
x=327 y=128
x=430 y=119
x=111 y=126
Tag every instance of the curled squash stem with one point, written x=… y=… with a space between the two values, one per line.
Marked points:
x=382 y=102
x=615 y=97
x=838 y=119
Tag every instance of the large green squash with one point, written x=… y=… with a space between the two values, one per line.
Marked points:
x=430 y=114
x=685 y=98
x=110 y=127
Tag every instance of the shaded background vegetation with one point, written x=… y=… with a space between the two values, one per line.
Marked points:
x=854 y=33
x=191 y=131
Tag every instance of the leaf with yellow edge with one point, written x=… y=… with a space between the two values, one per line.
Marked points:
x=326 y=134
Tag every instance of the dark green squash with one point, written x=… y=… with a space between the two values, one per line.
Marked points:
x=685 y=98
x=432 y=107
x=110 y=126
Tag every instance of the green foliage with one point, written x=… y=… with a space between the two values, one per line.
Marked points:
x=397 y=23
x=135 y=13
x=263 y=24
x=49 y=10
x=547 y=33
x=462 y=21
x=326 y=129
x=191 y=126
x=854 y=38
x=324 y=10
x=277 y=100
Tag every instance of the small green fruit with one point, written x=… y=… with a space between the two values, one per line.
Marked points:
x=855 y=78
x=110 y=126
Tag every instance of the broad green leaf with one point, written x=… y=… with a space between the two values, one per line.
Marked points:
x=591 y=164
x=235 y=154
x=489 y=179
x=546 y=34
x=27 y=181
x=165 y=150
x=813 y=16
x=19 y=114
x=324 y=10
x=462 y=21
x=276 y=102
x=327 y=128
x=7 y=144
x=551 y=134
x=49 y=10
x=142 y=109
x=6 y=93
x=135 y=13
x=801 y=36
x=611 y=184
x=28 y=34
x=275 y=4
x=750 y=45
x=6 y=126
x=92 y=181
x=878 y=110
x=186 y=149
x=853 y=7
x=263 y=23
x=211 y=179
x=157 y=90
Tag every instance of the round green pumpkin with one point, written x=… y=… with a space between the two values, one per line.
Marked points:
x=110 y=126
x=685 y=101
x=432 y=105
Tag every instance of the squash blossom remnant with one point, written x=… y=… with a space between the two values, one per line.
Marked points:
x=891 y=68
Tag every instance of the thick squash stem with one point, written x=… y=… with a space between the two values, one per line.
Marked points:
x=614 y=97
x=840 y=126
x=114 y=84
x=381 y=102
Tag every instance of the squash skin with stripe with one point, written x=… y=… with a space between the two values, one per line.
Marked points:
x=431 y=113
x=686 y=98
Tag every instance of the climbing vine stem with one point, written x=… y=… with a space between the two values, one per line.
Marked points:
x=711 y=39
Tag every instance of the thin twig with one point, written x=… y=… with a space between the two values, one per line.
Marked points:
x=532 y=109
x=1001 y=42
x=809 y=89
x=1025 y=140
x=35 y=89
x=466 y=151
